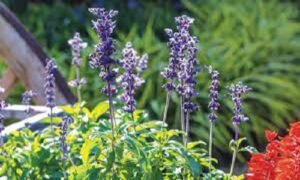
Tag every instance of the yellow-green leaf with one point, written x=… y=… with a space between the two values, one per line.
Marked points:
x=86 y=149
x=100 y=109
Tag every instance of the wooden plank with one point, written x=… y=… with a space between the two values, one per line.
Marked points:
x=31 y=120
x=7 y=82
x=18 y=111
x=27 y=59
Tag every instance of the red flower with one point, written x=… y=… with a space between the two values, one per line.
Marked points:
x=270 y=135
x=281 y=161
x=295 y=129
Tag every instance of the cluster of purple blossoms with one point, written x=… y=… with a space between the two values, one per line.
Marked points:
x=77 y=45
x=182 y=68
x=104 y=27
x=3 y=104
x=213 y=94
x=26 y=98
x=50 y=83
x=130 y=80
x=236 y=92
x=66 y=120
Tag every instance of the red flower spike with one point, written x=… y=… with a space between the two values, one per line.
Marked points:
x=281 y=161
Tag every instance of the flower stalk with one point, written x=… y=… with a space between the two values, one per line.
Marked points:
x=50 y=89
x=236 y=93
x=130 y=80
x=213 y=107
x=182 y=69
x=77 y=45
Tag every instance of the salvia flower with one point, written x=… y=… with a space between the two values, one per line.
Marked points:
x=26 y=98
x=182 y=68
x=66 y=120
x=213 y=94
x=281 y=159
x=102 y=56
x=3 y=104
x=77 y=45
x=50 y=83
x=178 y=42
x=130 y=80
x=236 y=93
x=77 y=82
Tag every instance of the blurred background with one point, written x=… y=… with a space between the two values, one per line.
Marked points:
x=257 y=42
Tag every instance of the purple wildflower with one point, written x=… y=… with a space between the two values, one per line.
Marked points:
x=236 y=92
x=50 y=83
x=77 y=45
x=178 y=44
x=66 y=120
x=77 y=82
x=27 y=96
x=130 y=81
x=104 y=27
x=3 y=104
x=182 y=68
x=213 y=94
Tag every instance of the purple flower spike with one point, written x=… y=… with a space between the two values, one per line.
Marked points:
x=27 y=96
x=181 y=71
x=213 y=94
x=3 y=104
x=130 y=81
x=236 y=93
x=50 y=83
x=66 y=120
x=104 y=27
x=77 y=45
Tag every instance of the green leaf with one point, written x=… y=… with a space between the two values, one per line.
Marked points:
x=55 y=120
x=100 y=109
x=110 y=160
x=195 y=167
x=87 y=146
x=191 y=145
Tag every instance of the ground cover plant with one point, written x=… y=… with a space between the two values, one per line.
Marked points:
x=115 y=140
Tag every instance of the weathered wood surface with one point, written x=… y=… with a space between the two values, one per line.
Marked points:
x=27 y=59
x=18 y=111
x=7 y=82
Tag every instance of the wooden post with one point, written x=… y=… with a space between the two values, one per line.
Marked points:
x=27 y=59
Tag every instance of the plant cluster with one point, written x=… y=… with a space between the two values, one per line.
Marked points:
x=123 y=144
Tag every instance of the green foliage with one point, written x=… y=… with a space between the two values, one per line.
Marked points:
x=140 y=150
x=255 y=42
x=251 y=41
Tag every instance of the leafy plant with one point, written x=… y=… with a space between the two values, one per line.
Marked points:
x=144 y=151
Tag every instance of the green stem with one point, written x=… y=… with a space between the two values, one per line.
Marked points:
x=78 y=87
x=51 y=120
x=182 y=117
x=233 y=162
x=166 y=107
x=236 y=137
x=187 y=128
x=210 y=145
